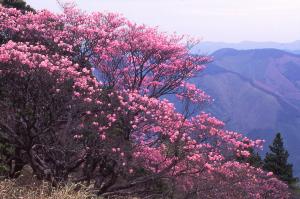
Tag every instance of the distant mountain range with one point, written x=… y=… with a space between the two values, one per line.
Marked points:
x=210 y=47
x=257 y=92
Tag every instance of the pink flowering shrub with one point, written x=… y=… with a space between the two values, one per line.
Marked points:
x=239 y=180
x=82 y=100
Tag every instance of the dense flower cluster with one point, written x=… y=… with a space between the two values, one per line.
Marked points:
x=120 y=71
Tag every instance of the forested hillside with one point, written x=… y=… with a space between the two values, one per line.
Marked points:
x=258 y=93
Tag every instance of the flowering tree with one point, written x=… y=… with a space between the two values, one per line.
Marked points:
x=82 y=99
x=239 y=181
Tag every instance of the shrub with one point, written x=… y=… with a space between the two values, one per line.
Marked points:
x=82 y=100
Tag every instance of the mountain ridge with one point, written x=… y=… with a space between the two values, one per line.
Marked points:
x=257 y=92
x=208 y=47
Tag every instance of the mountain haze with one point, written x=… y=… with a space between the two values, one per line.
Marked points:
x=257 y=92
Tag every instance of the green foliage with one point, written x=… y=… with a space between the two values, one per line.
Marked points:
x=18 y=4
x=276 y=161
x=6 y=151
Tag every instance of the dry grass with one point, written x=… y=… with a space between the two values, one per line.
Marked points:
x=11 y=190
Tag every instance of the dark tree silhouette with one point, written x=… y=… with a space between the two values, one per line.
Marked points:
x=276 y=161
x=18 y=4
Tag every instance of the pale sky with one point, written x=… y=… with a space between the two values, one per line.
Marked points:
x=210 y=20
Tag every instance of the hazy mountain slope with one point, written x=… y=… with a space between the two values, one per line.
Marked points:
x=296 y=52
x=273 y=70
x=257 y=92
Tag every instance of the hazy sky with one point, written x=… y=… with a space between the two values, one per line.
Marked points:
x=210 y=20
